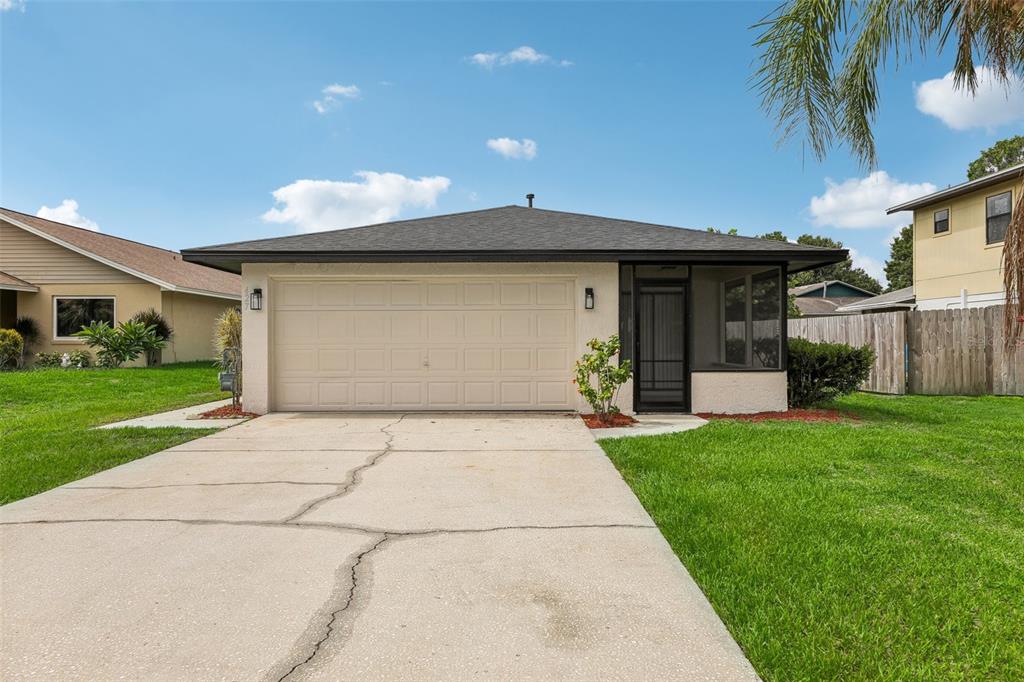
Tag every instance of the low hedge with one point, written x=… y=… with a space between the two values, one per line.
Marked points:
x=820 y=372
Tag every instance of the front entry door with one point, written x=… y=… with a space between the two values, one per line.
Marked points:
x=661 y=367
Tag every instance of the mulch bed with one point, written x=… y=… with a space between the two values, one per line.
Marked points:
x=813 y=415
x=227 y=412
x=615 y=421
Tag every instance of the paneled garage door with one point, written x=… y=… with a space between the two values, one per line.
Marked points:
x=439 y=344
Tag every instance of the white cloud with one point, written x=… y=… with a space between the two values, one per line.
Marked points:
x=514 y=149
x=485 y=59
x=8 y=5
x=332 y=95
x=317 y=205
x=993 y=104
x=870 y=265
x=520 y=55
x=68 y=214
x=860 y=203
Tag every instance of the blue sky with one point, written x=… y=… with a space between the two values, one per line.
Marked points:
x=175 y=123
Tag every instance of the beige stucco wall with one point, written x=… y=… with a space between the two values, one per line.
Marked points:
x=129 y=299
x=601 y=322
x=958 y=259
x=191 y=317
x=738 y=392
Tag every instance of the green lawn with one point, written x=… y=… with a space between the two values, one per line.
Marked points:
x=891 y=548
x=46 y=417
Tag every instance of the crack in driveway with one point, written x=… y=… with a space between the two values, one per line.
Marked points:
x=347 y=597
x=354 y=478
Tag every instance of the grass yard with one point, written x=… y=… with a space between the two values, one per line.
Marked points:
x=890 y=548
x=46 y=416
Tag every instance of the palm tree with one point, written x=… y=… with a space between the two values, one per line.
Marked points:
x=818 y=78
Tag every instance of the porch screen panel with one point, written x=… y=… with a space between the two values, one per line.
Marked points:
x=737 y=318
x=626 y=312
x=766 y=316
x=660 y=367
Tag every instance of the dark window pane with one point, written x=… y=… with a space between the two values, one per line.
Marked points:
x=996 y=229
x=766 y=314
x=998 y=205
x=942 y=221
x=997 y=214
x=75 y=313
x=736 y=322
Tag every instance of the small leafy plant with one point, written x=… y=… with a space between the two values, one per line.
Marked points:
x=120 y=344
x=11 y=346
x=76 y=359
x=599 y=377
x=47 y=360
x=821 y=372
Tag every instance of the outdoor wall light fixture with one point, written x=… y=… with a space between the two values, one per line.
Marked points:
x=588 y=298
x=256 y=299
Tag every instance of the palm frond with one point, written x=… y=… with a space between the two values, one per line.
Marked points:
x=1013 y=278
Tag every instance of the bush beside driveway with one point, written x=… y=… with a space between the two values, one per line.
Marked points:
x=46 y=420
x=884 y=548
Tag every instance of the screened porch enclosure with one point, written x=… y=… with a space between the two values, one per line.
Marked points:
x=679 y=319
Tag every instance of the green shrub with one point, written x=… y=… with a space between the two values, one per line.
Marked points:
x=76 y=359
x=47 y=360
x=609 y=376
x=820 y=372
x=11 y=345
x=120 y=344
x=160 y=326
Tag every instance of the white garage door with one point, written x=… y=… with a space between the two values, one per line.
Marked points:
x=439 y=344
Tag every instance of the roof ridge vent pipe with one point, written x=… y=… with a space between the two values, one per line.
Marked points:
x=529 y=200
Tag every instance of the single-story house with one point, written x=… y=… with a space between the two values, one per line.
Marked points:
x=900 y=299
x=489 y=310
x=822 y=299
x=65 y=277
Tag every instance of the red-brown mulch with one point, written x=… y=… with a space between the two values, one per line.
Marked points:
x=227 y=412
x=798 y=415
x=615 y=420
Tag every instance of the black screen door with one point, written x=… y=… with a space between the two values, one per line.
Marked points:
x=660 y=370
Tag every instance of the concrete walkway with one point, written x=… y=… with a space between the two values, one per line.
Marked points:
x=406 y=547
x=652 y=425
x=186 y=418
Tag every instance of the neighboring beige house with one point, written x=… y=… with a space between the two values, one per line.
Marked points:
x=64 y=277
x=958 y=241
x=490 y=309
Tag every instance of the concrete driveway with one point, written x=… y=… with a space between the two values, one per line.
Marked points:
x=419 y=546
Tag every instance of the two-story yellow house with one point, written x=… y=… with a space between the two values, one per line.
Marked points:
x=958 y=241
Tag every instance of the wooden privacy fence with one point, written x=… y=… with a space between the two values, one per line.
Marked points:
x=929 y=352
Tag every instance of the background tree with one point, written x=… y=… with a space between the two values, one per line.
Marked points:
x=1001 y=155
x=899 y=269
x=818 y=78
x=732 y=230
x=844 y=270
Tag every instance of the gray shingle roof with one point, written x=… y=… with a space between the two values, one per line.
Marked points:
x=506 y=233
x=901 y=298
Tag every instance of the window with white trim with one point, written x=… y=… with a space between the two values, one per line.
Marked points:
x=71 y=313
